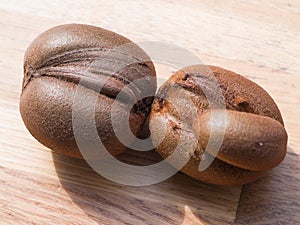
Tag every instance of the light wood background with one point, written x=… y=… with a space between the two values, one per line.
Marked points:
x=259 y=39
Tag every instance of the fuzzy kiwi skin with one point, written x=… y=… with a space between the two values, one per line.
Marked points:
x=55 y=62
x=255 y=139
x=250 y=141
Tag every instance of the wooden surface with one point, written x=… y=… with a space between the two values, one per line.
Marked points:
x=259 y=39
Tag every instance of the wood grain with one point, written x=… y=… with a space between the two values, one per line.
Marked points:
x=259 y=39
x=274 y=199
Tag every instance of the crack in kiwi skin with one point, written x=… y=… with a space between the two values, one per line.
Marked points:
x=85 y=56
x=240 y=103
x=110 y=88
x=233 y=101
x=176 y=126
x=164 y=107
x=72 y=66
x=77 y=55
x=171 y=88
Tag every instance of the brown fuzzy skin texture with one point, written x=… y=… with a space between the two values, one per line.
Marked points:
x=255 y=139
x=250 y=142
x=54 y=64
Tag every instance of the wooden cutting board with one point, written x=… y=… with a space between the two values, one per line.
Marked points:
x=259 y=39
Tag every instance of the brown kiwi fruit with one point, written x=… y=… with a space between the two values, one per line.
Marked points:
x=55 y=63
x=254 y=141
